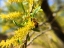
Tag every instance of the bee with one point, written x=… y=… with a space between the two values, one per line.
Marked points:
x=36 y=23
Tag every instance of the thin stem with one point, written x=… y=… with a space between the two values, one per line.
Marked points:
x=25 y=43
x=37 y=37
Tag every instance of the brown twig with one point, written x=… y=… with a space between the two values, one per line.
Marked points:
x=25 y=42
x=32 y=33
x=37 y=37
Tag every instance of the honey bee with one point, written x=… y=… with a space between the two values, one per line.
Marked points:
x=36 y=23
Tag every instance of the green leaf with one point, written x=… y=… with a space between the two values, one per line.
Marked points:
x=36 y=29
x=24 y=22
x=19 y=25
x=28 y=37
x=20 y=42
x=35 y=11
x=22 y=7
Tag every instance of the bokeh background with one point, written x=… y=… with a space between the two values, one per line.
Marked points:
x=46 y=40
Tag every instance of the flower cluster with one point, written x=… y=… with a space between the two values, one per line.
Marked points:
x=19 y=35
x=14 y=1
x=11 y=15
x=30 y=4
x=21 y=32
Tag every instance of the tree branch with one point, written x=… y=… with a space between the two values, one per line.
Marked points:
x=55 y=25
x=37 y=37
x=25 y=42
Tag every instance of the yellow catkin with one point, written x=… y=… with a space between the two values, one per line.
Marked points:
x=14 y=1
x=30 y=4
x=19 y=35
x=11 y=15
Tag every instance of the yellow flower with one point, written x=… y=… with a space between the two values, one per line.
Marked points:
x=14 y=1
x=31 y=1
x=11 y=15
x=2 y=43
x=21 y=32
x=19 y=35
x=30 y=4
